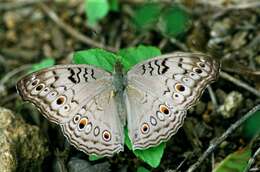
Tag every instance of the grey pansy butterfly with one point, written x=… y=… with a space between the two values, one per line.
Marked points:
x=92 y=106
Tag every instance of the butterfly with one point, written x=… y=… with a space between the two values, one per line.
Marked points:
x=92 y=106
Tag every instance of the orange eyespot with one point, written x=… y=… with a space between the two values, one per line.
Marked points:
x=179 y=87
x=82 y=123
x=106 y=135
x=164 y=109
x=145 y=128
x=60 y=100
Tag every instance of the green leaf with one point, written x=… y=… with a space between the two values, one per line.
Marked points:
x=236 y=161
x=97 y=57
x=147 y=15
x=113 y=5
x=174 y=21
x=95 y=10
x=134 y=55
x=94 y=157
x=43 y=64
x=151 y=156
x=127 y=140
x=142 y=169
x=252 y=126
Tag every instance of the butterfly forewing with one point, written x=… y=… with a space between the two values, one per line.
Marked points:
x=59 y=91
x=168 y=85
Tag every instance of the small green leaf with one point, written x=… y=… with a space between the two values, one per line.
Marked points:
x=236 y=161
x=147 y=15
x=142 y=169
x=43 y=64
x=151 y=156
x=174 y=21
x=94 y=157
x=134 y=55
x=95 y=10
x=97 y=57
x=127 y=140
x=252 y=126
x=113 y=5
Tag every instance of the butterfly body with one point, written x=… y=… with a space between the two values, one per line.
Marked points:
x=93 y=106
x=120 y=83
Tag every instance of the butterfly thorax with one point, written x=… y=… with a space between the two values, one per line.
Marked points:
x=119 y=83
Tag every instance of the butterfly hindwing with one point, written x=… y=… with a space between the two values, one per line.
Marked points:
x=150 y=120
x=168 y=85
x=96 y=128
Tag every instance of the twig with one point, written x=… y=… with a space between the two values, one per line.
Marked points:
x=219 y=140
x=8 y=98
x=179 y=44
x=252 y=160
x=239 y=6
x=18 y=4
x=138 y=39
x=255 y=169
x=239 y=83
x=8 y=76
x=244 y=6
x=163 y=43
x=2 y=60
x=136 y=2
x=14 y=72
x=186 y=157
x=212 y=160
x=213 y=98
x=74 y=33
x=242 y=71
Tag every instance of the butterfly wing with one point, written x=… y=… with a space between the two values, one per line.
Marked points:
x=96 y=129
x=59 y=91
x=73 y=96
x=159 y=92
